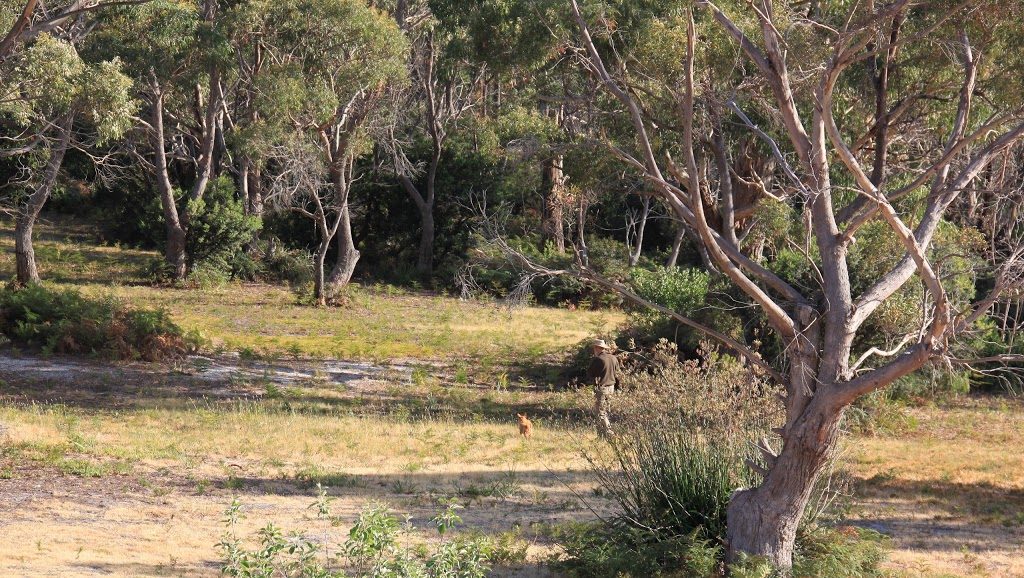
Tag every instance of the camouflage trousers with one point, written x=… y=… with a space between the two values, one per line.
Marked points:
x=601 y=398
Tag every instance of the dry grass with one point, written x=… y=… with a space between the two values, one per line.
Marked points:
x=950 y=488
x=380 y=322
x=139 y=490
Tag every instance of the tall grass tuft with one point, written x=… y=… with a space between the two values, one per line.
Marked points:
x=683 y=431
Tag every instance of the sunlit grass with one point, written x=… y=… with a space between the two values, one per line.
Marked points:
x=961 y=469
x=379 y=323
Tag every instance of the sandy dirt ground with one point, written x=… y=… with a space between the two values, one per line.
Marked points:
x=156 y=521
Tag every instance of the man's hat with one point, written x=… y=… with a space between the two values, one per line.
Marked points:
x=599 y=343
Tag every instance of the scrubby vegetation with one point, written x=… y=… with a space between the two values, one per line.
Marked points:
x=687 y=430
x=64 y=321
x=372 y=550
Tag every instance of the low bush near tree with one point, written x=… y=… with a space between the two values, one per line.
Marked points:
x=372 y=550
x=684 y=436
x=65 y=321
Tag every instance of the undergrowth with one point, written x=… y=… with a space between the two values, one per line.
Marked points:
x=64 y=321
x=373 y=548
x=683 y=433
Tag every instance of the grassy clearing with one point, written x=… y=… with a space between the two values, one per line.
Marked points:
x=380 y=323
x=126 y=471
x=280 y=439
x=949 y=486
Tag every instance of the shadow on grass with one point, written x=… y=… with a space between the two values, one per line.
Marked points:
x=942 y=515
x=89 y=385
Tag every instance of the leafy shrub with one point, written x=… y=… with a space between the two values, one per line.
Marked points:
x=272 y=263
x=597 y=550
x=372 y=549
x=680 y=289
x=845 y=551
x=218 y=225
x=207 y=275
x=685 y=431
x=291 y=266
x=66 y=322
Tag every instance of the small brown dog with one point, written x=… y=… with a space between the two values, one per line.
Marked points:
x=525 y=426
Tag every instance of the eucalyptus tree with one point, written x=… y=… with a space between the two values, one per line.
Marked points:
x=52 y=100
x=177 y=54
x=442 y=90
x=795 y=84
x=333 y=62
x=22 y=21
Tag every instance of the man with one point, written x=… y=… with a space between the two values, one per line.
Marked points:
x=602 y=372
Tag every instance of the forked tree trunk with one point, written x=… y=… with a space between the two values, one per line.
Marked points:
x=425 y=255
x=174 y=252
x=425 y=204
x=348 y=255
x=24 y=253
x=319 y=287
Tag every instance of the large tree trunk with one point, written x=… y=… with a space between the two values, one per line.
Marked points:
x=348 y=256
x=425 y=260
x=174 y=252
x=552 y=226
x=763 y=521
x=24 y=253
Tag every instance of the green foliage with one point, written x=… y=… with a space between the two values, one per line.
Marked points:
x=49 y=75
x=50 y=80
x=846 y=552
x=597 y=550
x=682 y=290
x=218 y=225
x=372 y=549
x=66 y=322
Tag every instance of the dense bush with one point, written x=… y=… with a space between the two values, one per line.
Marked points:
x=218 y=225
x=683 y=290
x=685 y=430
x=491 y=272
x=67 y=322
